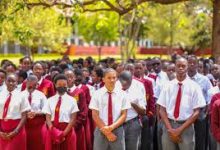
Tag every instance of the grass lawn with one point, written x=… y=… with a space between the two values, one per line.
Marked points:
x=15 y=57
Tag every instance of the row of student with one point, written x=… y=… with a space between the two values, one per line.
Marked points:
x=143 y=82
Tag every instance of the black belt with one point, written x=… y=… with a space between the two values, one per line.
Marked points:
x=131 y=120
x=177 y=121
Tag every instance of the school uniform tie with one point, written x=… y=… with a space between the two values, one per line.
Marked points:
x=110 y=115
x=57 y=111
x=7 y=102
x=30 y=98
x=178 y=100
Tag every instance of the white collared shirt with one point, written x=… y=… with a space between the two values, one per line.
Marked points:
x=99 y=102
x=17 y=105
x=137 y=84
x=72 y=89
x=68 y=106
x=161 y=80
x=191 y=99
x=91 y=89
x=38 y=100
x=134 y=95
x=212 y=91
x=3 y=87
x=204 y=84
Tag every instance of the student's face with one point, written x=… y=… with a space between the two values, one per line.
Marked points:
x=38 y=70
x=193 y=64
x=156 y=66
x=138 y=70
x=201 y=68
x=215 y=70
x=61 y=86
x=11 y=82
x=94 y=76
x=26 y=64
x=2 y=78
x=10 y=69
x=181 y=67
x=171 y=71
x=31 y=85
x=78 y=79
x=109 y=79
x=130 y=68
x=70 y=78
x=125 y=84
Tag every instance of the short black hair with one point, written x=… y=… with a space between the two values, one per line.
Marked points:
x=99 y=72
x=22 y=74
x=59 y=77
x=107 y=70
x=55 y=68
x=25 y=57
x=78 y=72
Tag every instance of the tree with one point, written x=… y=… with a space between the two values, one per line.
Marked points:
x=33 y=27
x=130 y=16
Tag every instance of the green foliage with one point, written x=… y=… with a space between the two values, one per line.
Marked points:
x=33 y=27
x=99 y=27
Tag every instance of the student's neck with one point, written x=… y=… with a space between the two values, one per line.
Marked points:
x=61 y=94
x=110 y=89
x=181 y=77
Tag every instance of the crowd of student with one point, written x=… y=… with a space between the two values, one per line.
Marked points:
x=149 y=104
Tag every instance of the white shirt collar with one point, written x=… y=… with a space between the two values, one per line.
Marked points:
x=105 y=90
x=40 y=81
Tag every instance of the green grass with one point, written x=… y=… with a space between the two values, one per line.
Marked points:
x=15 y=57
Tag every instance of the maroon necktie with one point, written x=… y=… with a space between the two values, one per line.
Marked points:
x=7 y=102
x=57 y=111
x=178 y=100
x=30 y=98
x=110 y=116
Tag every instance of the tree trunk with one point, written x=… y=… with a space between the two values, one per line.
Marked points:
x=216 y=29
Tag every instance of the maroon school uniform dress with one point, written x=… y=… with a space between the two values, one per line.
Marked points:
x=78 y=94
x=45 y=86
x=150 y=108
x=34 y=126
x=213 y=99
x=89 y=126
x=53 y=138
x=13 y=105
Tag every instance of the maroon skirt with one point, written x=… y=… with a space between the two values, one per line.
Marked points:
x=34 y=133
x=81 y=139
x=68 y=144
x=18 y=142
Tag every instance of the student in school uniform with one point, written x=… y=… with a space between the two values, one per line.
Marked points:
x=25 y=64
x=202 y=123
x=89 y=126
x=148 y=120
x=97 y=75
x=180 y=102
x=79 y=95
x=13 y=112
x=35 y=117
x=132 y=126
x=44 y=85
x=109 y=107
x=215 y=120
x=61 y=111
